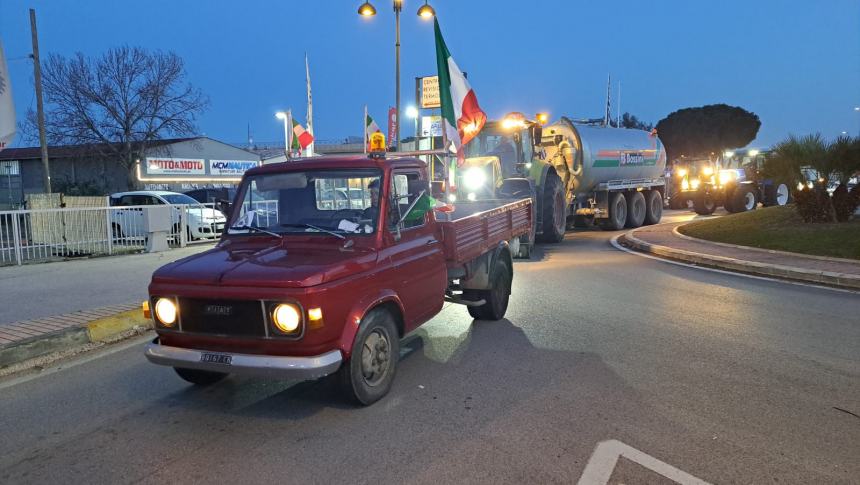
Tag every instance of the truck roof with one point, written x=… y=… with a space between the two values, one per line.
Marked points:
x=342 y=161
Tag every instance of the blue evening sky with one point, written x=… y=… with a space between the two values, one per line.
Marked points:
x=794 y=63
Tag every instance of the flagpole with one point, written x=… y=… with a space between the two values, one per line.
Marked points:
x=310 y=118
x=288 y=131
x=364 y=130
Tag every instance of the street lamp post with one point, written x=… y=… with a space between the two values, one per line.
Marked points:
x=426 y=11
x=286 y=117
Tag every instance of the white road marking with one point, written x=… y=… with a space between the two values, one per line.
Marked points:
x=75 y=360
x=618 y=246
x=605 y=457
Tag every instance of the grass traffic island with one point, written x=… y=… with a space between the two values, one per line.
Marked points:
x=780 y=228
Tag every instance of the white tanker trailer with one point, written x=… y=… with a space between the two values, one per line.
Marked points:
x=612 y=176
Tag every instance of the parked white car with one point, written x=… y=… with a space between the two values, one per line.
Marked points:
x=203 y=222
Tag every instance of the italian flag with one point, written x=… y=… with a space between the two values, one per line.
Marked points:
x=301 y=138
x=370 y=127
x=461 y=116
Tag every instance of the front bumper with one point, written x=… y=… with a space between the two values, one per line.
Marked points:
x=294 y=368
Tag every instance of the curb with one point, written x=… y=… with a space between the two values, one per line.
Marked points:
x=838 y=280
x=95 y=331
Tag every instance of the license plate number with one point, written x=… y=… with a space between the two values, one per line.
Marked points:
x=216 y=358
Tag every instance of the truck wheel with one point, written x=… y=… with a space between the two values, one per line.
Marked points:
x=744 y=199
x=635 y=209
x=617 y=213
x=554 y=217
x=653 y=207
x=367 y=376
x=704 y=203
x=199 y=377
x=497 y=297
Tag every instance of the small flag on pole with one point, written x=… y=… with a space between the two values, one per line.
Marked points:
x=301 y=138
x=370 y=127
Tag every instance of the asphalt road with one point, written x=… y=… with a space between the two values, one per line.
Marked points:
x=726 y=378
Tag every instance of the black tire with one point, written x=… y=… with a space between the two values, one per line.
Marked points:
x=778 y=194
x=653 y=207
x=553 y=207
x=704 y=203
x=199 y=377
x=744 y=199
x=496 y=298
x=188 y=236
x=678 y=202
x=525 y=248
x=617 y=213
x=635 y=209
x=367 y=376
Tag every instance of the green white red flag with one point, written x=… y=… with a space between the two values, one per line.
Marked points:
x=301 y=138
x=370 y=127
x=462 y=118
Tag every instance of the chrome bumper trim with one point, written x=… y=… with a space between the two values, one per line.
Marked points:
x=298 y=368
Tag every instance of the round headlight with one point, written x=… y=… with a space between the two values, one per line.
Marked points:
x=286 y=317
x=165 y=311
x=474 y=178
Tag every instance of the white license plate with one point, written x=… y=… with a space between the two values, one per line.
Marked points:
x=216 y=358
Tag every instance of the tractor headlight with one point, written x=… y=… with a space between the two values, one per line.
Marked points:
x=474 y=178
x=695 y=184
x=726 y=176
x=708 y=171
x=685 y=185
x=681 y=172
x=286 y=317
x=165 y=311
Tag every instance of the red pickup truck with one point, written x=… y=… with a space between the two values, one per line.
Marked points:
x=324 y=266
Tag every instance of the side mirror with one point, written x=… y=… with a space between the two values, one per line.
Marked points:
x=223 y=206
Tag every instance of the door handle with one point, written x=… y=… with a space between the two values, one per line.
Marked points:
x=431 y=242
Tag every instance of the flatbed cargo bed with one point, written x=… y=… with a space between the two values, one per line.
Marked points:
x=476 y=227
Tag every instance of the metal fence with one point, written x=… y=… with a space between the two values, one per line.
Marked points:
x=41 y=235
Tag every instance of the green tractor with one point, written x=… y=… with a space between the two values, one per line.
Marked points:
x=505 y=160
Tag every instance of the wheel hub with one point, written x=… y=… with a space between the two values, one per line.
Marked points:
x=375 y=357
x=749 y=201
x=782 y=194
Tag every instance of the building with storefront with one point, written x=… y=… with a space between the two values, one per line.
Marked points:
x=177 y=164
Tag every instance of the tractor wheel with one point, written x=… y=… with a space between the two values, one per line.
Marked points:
x=554 y=216
x=704 y=203
x=744 y=199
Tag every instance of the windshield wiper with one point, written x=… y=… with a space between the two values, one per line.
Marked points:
x=315 y=228
x=254 y=228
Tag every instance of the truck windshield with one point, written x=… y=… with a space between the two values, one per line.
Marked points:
x=313 y=201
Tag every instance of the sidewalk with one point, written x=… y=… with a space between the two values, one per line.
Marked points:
x=664 y=240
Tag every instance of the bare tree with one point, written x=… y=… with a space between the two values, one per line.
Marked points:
x=119 y=103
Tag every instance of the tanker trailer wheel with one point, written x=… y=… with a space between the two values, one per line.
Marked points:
x=554 y=217
x=744 y=199
x=617 y=213
x=635 y=209
x=496 y=298
x=704 y=203
x=653 y=207
x=199 y=377
x=367 y=376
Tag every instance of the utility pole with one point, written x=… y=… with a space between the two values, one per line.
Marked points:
x=40 y=110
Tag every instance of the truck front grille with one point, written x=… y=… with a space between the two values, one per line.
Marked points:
x=222 y=317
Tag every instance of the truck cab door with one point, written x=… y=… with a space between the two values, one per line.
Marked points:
x=419 y=275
